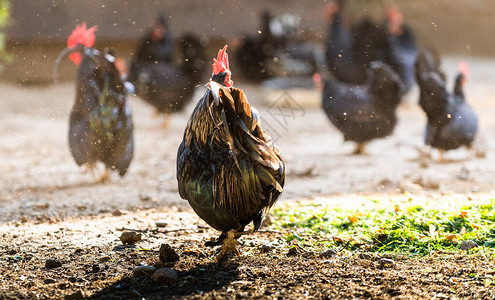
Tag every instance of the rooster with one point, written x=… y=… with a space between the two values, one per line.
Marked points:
x=100 y=128
x=452 y=122
x=363 y=112
x=166 y=85
x=227 y=166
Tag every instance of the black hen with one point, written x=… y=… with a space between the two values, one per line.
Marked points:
x=349 y=53
x=364 y=112
x=168 y=86
x=101 y=127
x=227 y=166
x=452 y=122
x=400 y=49
x=256 y=55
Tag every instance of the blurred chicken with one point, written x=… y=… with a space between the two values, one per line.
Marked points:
x=227 y=166
x=452 y=122
x=275 y=51
x=349 y=53
x=157 y=45
x=363 y=112
x=168 y=86
x=101 y=127
x=400 y=49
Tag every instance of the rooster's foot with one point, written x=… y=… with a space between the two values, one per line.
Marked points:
x=229 y=245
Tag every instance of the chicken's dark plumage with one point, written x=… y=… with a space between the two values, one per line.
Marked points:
x=349 y=53
x=400 y=49
x=452 y=122
x=364 y=112
x=227 y=166
x=100 y=128
x=167 y=86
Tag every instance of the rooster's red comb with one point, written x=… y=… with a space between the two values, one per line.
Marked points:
x=82 y=35
x=221 y=64
x=464 y=68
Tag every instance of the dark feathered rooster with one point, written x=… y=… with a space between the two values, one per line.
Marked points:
x=452 y=122
x=167 y=86
x=363 y=112
x=227 y=166
x=100 y=121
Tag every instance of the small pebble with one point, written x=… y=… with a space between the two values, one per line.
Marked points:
x=104 y=258
x=365 y=256
x=143 y=270
x=295 y=250
x=168 y=254
x=328 y=253
x=165 y=275
x=117 y=212
x=49 y=280
x=161 y=224
x=130 y=237
x=52 y=263
x=72 y=279
x=466 y=245
x=266 y=248
x=385 y=263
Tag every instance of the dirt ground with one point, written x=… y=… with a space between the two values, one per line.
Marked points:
x=50 y=209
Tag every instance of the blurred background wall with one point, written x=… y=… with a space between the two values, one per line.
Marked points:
x=40 y=28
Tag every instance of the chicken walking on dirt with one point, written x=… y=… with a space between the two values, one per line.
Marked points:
x=452 y=122
x=100 y=127
x=362 y=112
x=227 y=166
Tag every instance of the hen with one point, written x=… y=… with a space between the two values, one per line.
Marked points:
x=364 y=112
x=400 y=49
x=349 y=52
x=100 y=128
x=452 y=122
x=227 y=166
x=273 y=52
x=167 y=86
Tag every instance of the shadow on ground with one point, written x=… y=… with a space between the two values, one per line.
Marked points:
x=195 y=281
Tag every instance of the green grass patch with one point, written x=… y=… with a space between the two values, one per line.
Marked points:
x=405 y=228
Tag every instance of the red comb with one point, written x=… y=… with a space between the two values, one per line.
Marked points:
x=464 y=68
x=81 y=35
x=221 y=64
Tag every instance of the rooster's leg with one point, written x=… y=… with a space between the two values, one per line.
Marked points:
x=229 y=245
x=105 y=177
x=216 y=242
x=360 y=148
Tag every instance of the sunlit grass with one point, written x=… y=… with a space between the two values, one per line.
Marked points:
x=405 y=228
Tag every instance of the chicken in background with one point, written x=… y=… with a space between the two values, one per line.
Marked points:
x=157 y=45
x=275 y=51
x=452 y=122
x=349 y=52
x=228 y=168
x=362 y=112
x=100 y=128
x=400 y=49
x=169 y=87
